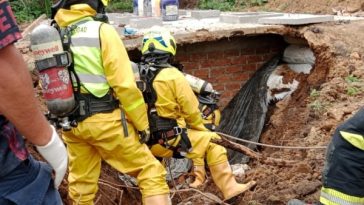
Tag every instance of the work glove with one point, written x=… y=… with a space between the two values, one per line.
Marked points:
x=55 y=154
x=144 y=136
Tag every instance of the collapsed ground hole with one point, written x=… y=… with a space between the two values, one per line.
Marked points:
x=289 y=122
x=228 y=64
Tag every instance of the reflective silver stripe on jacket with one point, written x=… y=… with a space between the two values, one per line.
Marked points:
x=337 y=199
x=91 y=78
x=86 y=42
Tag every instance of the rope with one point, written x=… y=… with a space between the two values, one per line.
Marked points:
x=268 y=145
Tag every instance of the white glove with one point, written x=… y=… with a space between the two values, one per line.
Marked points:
x=56 y=155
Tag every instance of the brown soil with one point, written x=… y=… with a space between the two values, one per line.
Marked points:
x=302 y=120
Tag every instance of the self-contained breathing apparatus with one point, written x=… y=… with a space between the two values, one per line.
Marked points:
x=59 y=81
x=164 y=131
x=208 y=99
x=210 y=110
x=207 y=96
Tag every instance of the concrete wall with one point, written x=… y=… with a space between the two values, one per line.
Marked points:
x=227 y=63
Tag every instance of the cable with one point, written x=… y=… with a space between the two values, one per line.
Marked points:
x=268 y=145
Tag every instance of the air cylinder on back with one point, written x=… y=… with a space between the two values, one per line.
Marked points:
x=198 y=85
x=52 y=62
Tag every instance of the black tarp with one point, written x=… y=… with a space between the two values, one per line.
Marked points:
x=245 y=114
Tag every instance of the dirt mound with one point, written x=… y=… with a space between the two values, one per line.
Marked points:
x=309 y=118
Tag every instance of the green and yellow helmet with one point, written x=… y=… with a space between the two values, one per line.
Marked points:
x=105 y=2
x=159 y=41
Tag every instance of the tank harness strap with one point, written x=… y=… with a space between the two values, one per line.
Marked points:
x=63 y=59
x=89 y=105
x=124 y=123
x=163 y=129
x=184 y=145
x=209 y=110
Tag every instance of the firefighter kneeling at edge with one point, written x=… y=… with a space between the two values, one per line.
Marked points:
x=173 y=107
x=343 y=173
x=107 y=88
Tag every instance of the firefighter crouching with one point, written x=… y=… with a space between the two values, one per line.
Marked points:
x=172 y=107
x=211 y=115
x=105 y=92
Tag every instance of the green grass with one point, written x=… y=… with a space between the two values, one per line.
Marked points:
x=318 y=106
x=120 y=6
x=217 y=4
x=314 y=94
x=352 y=79
x=352 y=89
x=28 y=10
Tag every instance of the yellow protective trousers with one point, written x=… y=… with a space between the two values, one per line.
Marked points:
x=201 y=148
x=101 y=137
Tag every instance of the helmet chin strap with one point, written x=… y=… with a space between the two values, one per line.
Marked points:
x=157 y=59
x=55 y=7
x=101 y=13
x=100 y=7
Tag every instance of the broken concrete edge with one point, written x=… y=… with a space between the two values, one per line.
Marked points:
x=203 y=35
x=248 y=17
x=296 y=19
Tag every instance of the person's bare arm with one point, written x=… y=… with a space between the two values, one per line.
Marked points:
x=17 y=100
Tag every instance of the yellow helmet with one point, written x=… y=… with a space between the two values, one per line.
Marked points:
x=105 y=2
x=159 y=41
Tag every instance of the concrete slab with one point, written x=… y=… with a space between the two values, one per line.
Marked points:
x=182 y=12
x=201 y=14
x=117 y=19
x=145 y=22
x=124 y=19
x=246 y=17
x=296 y=19
x=188 y=30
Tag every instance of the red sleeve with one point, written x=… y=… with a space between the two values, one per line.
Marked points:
x=9 y=30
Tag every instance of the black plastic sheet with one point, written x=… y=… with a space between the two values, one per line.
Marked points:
x=245 y=114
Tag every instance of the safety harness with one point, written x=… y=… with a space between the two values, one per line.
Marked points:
x=163 y=130
x=206 y=112
x=86 y=104
x=208 y=106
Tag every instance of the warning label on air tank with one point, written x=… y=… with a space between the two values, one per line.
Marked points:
x=56 y=84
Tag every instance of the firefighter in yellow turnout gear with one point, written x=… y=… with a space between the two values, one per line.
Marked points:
x=173 y=107
x=107 y=89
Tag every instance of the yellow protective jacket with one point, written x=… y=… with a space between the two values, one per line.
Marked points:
x=116 y=64
x=176 y=100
